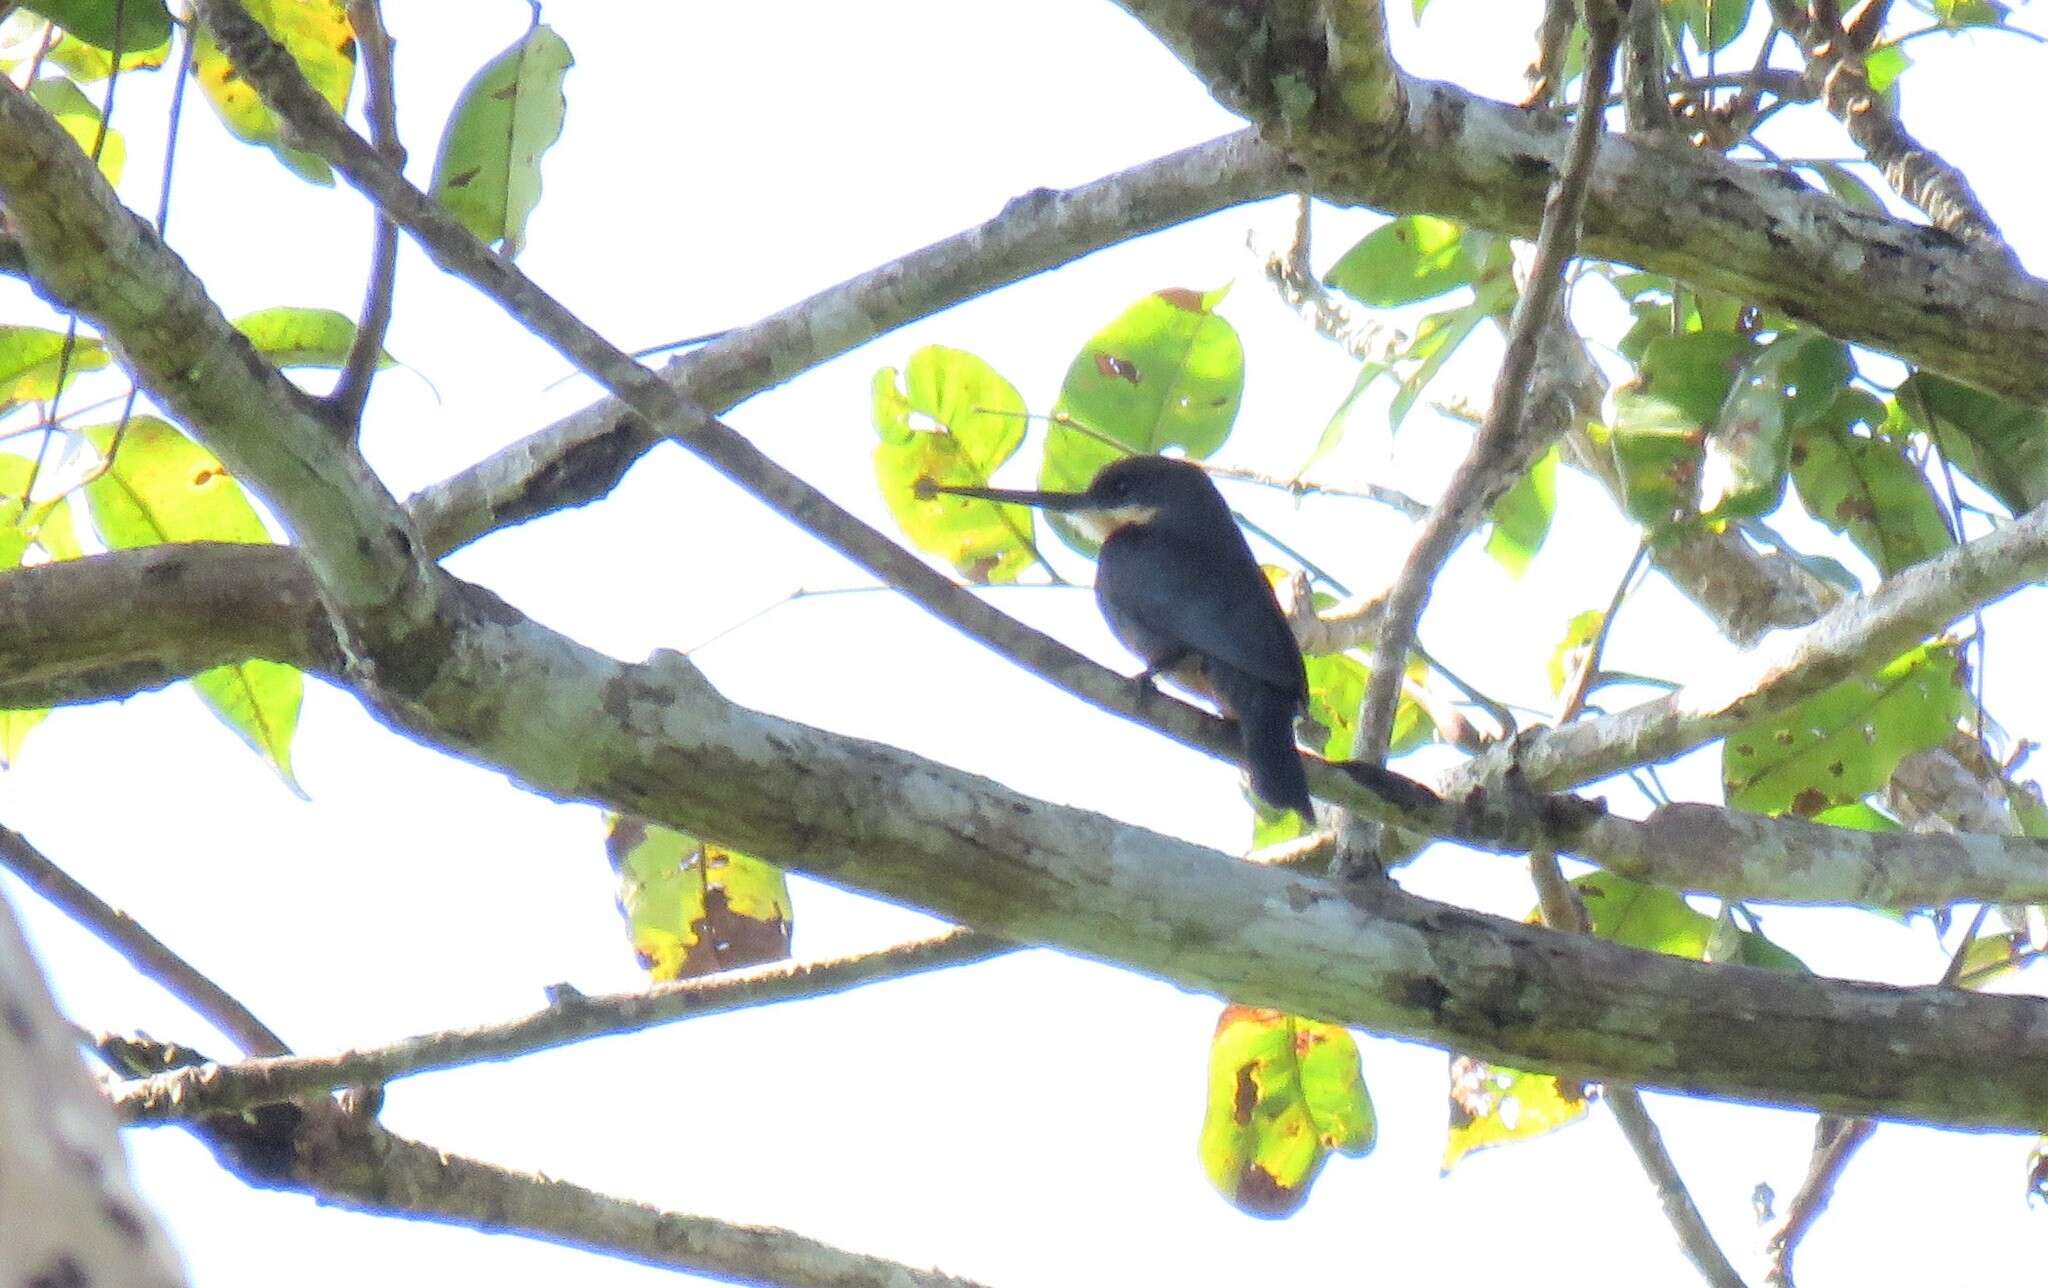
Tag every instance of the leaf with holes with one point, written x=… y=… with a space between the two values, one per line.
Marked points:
x=1863 y=486
x=1168 y=372
x=162 y=487
x=80 y=117
x=488 y=170
x=693 y=908
x=317 y=36
x=2002 y=445
x=1841 y=744
x=952 y=420
x=1661 y=418
x=1492 y=1104
x=1284 y=1093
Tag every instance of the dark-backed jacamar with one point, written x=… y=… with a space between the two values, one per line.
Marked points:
x=1180 y=588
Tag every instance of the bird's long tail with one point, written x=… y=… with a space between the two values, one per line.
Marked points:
x=1265 y=722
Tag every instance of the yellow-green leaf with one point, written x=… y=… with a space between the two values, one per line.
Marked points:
x=972 y=421
x=1284 y=1092
x=317 y=36
x=163 y=487
x=510 y=113
x=694 y=908
x=80 y=117
x=1494 y=1105
x=14 y=727
x=301 y=337
x=130 y=24
x=30 y=357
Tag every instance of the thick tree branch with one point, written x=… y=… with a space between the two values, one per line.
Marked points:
x=1755 y=232
x=1917 y=173
x=570 y=1017
x=71 y=1212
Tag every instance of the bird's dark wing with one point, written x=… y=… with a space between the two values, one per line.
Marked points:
x=1164 y=594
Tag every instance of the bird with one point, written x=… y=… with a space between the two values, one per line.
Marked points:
x=1179 y=587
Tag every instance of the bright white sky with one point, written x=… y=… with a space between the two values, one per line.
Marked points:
x=1030 y=1121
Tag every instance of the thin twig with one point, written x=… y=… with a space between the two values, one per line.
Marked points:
x=569 y=1017
x=145 y=951
x=1498 y=452
x=359 y=369
x=1387 y=496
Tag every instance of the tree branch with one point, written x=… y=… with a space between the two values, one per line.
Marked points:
x=148 y=954
x=569 y=1017
x=359 y=368
x=578 y=459
x=1503 y=448
x=73 y=1216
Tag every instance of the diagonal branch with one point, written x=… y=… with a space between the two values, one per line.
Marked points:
x=154 y=958
x=1503 y=448
x=581 y=457
x=1914 y=171
x=569 y=1017
x=359 y=367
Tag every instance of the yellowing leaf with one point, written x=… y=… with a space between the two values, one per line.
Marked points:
x=693 y=908
x=1284 y=1092
x=1495 y=1105
x=317 y=36
x=31 y=356
x=510 y=113
x=163 y=487
x=974 y=420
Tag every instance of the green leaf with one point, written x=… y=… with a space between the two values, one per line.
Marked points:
x=163 y=487
x=143 y=24
x=510 y=113
x=1971 y=13
x=1842 y=744
x=1713 y=24
x=19 y=532
x=1882 y=67
x=317 y=36
x=1168 y=372
x=1284 y=1093
x=259 y=700
x=976 y=421
x=30 y=357
x=1437 y=338
x=1521 y=518
x=2002 y=445
x=1789 y=383
x=1847 y=188
x=45 y=524
x=1661 y=419
x=1412 y=258
x=1492 y=1105
x=1866 y=489
x=303 y=337
x=693 y=908
x=87 y=63
x=1858 y=816
x=1571 y=651
x=80 y=117
x=1336 y=688
x=1638 y=915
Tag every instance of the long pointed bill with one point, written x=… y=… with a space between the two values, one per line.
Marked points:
x=1095 y=520
x=1062 y=501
